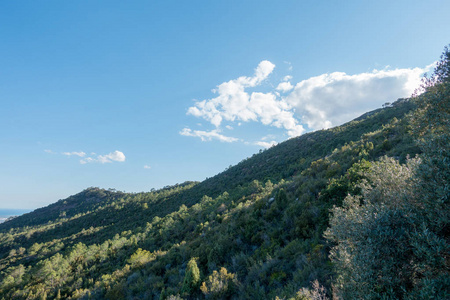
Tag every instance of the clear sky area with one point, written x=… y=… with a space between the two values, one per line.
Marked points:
x=135 y=95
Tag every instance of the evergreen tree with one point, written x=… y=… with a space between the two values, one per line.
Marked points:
x=191 y=281
x=163 y=294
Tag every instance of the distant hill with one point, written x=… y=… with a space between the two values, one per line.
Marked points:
x=9 y=213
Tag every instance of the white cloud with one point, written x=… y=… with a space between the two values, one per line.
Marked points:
x=272 y=111
x=332 y=99
x=285 y=86
x=147 y=167
x=80 y=154
x=208 y=135
x=87 y=160
x=266 y=144
x=316 y=103
x=107 y=158
x=113 y=156
x=234 y=103
x=117 y=156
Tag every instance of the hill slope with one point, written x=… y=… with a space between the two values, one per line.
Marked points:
x=255 y=230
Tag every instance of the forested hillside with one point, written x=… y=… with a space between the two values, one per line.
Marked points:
x=359 y=211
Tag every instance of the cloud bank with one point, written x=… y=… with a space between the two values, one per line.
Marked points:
x=315 y=103
x=332 y=99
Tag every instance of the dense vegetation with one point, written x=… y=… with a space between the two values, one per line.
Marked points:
x=262 y=229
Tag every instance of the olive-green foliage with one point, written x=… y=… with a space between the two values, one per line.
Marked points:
x=192 y=278
x=387 y=245
x=140 y=258
x=220 y=285
x=433 y=185
x=392 y=242
x=373 y=254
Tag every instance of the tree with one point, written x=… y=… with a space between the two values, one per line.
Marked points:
x=432 y=128
x=220 y=285
x=372 y=252
x=281 y=200
x=53 y=271
x=393 y=241
x=442 y=70
x=140 y=258
x=440 y=75
x=191 y=281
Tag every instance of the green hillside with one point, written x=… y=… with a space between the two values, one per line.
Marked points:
x=261 y=229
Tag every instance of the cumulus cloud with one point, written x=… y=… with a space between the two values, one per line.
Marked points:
x=332 y=99
x=107 y=158
x=208 y=135
x=274 y=112
x=315 y=103
x=113 y=156
x=80 y=154
x=233 y=103
x=285 y=86
x=232 y=100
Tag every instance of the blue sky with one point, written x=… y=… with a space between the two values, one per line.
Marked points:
x=135 y=95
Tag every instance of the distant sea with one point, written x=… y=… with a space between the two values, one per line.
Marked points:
x=6 y=213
